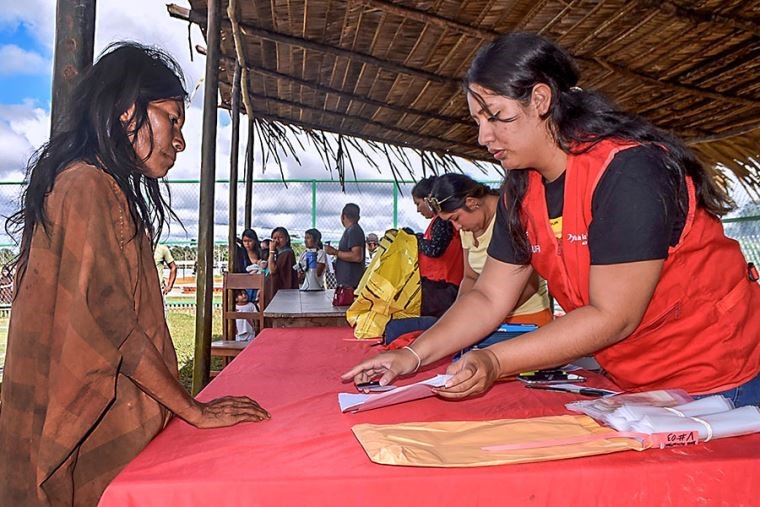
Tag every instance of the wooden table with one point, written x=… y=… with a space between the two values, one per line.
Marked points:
x=296 y=308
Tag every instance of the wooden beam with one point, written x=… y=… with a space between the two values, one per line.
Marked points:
x=568 y=7
x=74 y=43
x=230 y=328
x=205 y=273
x=256 y=31
x=345 y=116
x=345 y=95
x=249 y=174
x=692 y=90
x=726 y=22
x=727 y=134
x=430 y=19
x=359 y=98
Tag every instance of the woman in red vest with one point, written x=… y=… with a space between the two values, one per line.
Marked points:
x=440 y=255
x=622 y=221
x=441 y=267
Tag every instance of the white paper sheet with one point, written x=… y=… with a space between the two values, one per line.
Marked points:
x=359 y=402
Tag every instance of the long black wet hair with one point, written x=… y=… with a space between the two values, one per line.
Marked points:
x=451 y=190
x=126 y=74
x=577 y=119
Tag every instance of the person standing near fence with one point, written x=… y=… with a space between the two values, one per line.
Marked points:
x=281 y=262
x=91 y=371
x=162 y=256
x=372 y=244
x=349 y=263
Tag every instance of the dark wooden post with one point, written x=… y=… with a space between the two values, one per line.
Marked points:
x=205 y=273
x=234 y=147
x=249 y=172
x=74 y=45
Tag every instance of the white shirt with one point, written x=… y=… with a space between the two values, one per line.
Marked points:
x=245 y=331
x=308 y=263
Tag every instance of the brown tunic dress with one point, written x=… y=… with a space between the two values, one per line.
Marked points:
x=87 y=326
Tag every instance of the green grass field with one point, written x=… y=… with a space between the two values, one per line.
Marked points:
x=182 y=327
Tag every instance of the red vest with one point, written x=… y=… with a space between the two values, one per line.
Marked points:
x=449 y=266
x=699 y=332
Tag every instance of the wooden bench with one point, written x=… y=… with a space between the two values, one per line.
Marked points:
x=226 y=349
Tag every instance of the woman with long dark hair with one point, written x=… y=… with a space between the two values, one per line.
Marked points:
x=90 y=372
x=620 y=218
x=468 y=208
x=250 y=251
x=471 y=207
x=282 y=260
x=440 y=255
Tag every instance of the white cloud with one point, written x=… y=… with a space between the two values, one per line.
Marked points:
x=148 y=22
x=23 y=128
x=37 y=15
x=15 y=60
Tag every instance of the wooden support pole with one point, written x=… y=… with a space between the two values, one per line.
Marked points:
x=249 y=173
x=74 y=46
x=205 y=273
x=232 y=236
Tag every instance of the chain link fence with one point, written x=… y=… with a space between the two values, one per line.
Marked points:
x=299 y=205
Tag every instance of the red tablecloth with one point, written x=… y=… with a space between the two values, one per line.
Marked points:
x=307 y=455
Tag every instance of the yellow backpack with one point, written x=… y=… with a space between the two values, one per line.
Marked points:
x=389 y=288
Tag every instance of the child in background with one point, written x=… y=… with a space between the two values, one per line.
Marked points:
x=313 y=262
x=265 y=244
x=245 y=330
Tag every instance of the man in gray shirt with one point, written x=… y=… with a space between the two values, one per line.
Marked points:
x=349 y=264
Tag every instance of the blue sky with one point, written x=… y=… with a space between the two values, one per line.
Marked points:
x=16 y=87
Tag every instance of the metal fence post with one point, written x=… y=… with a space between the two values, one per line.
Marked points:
x=313 y=204
x=395 y=206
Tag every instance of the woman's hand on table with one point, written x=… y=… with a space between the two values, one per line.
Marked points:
x=473 y=374
x=228 y=411
x=387 y=366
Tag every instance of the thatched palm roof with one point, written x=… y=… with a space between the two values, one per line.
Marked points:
x=389 y=71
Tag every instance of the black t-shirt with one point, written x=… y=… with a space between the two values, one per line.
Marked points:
x=350 y=273
x=635 y=209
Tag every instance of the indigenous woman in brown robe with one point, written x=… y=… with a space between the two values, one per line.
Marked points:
x=91 y=372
